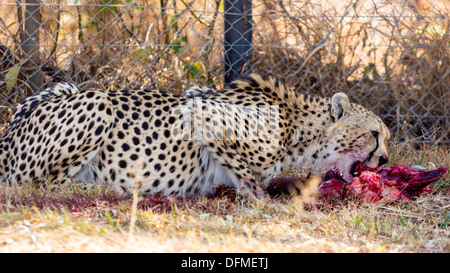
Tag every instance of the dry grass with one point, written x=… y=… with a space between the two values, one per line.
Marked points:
x=68 y=219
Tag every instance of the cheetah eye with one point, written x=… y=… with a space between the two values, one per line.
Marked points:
x=374 y=134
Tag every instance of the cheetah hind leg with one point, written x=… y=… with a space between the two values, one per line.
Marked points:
x=76 y=159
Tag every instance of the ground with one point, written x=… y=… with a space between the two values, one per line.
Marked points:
x=69 y=220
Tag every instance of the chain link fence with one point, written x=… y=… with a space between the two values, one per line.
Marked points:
x=391 y=56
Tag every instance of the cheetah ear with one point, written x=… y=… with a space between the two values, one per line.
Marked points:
x=339 y=105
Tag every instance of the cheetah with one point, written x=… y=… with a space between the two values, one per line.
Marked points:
x=184 y=145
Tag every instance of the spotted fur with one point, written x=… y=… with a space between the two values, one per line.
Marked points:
x=241 y=136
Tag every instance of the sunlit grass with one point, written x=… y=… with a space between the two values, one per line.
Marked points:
x=70 y=219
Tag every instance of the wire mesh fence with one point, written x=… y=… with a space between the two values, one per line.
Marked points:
x=391 y=56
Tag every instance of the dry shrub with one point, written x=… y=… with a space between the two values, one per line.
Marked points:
x=391 y=56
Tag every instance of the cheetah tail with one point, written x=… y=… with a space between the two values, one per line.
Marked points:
x=305 y=191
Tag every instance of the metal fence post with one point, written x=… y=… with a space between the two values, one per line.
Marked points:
x=29 y=37
x=238 y=38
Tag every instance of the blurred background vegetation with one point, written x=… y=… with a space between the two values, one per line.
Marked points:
x=391 y=56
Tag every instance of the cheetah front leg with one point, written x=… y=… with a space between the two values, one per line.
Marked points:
x=238 y=170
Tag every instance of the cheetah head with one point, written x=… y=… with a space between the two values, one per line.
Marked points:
x=357 y=137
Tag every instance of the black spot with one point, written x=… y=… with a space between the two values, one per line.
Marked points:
x=156 y=183
x=46 y=125
x=315 y=155
x=52 y=130
x=163 y=146
x=122 y=164
x=76 y=105
x=71 y=148
x=90 y=95
x=90 y=106
x=82 y=119
x=120 y=114
x=99 y=130
x=125 y=147
x=91 y=125
x=69 y=121
x=62 y=113
x=41 y=118
x=181 y=183
x=170 y=183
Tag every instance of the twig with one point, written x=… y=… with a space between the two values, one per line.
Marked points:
x=300 y=29
x=193 y=14
x=80 y=25
x=126 y=11
x=321 y=43
x=136 y=188
x=58 y=25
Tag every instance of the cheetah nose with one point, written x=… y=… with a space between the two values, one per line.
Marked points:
x=382 y=160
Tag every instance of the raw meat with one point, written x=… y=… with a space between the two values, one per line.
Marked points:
x=388 y=183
